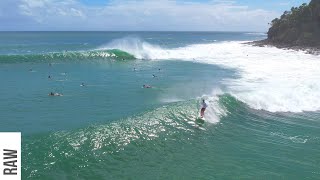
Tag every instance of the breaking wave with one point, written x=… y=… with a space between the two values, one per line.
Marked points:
x=115 y=54
x=271 y=79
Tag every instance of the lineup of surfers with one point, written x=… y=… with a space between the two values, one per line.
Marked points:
x=203 y=103
x=82 y=84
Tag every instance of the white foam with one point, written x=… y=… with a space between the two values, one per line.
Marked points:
x=295 y=139
x=257 y=33
x=271 y=79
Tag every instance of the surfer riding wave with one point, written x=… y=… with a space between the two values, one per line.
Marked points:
x=203 y=108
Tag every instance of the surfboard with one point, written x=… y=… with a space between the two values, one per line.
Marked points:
x=200 y=120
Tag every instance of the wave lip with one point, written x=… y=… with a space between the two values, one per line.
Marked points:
x=139 y=48
x=68 y=55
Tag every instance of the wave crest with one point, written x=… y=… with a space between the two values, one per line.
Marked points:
x=271 y=79
x=139 y=48
x=68 y=55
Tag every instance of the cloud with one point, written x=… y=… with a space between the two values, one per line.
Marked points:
x=53 y=11
x=221 y=15
x=10 y=18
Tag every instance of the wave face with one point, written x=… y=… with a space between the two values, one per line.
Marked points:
x=99 y=146
x=115 y=54
x=112 y=150
x=271 y=79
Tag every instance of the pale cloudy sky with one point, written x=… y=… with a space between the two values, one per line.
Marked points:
x=141 y=15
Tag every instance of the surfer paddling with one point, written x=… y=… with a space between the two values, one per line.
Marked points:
x=146 y=86
x=203 y=108
x=54 y=94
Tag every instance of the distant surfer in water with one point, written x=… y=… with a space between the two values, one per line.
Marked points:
x=146 y=86
x=54 y=94
x=203 y=108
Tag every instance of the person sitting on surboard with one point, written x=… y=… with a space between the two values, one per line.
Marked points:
x=147 y=86
x=54 y=94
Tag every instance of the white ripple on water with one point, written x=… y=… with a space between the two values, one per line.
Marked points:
x=295 y=139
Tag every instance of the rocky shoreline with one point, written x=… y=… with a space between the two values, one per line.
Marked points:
x=315 y=50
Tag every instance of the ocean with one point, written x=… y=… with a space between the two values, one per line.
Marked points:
x=262 y=120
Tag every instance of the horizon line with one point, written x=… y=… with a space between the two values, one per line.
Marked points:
x=127 y=31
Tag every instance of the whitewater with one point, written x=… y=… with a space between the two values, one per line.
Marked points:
x=271 y=79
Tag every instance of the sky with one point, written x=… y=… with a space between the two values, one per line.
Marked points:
x=141 y=15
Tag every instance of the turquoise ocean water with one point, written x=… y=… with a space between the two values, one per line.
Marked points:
x=262 y=120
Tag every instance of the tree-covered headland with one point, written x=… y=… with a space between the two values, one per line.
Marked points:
x=298 y=27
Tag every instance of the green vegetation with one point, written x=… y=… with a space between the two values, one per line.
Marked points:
x=298 y=27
